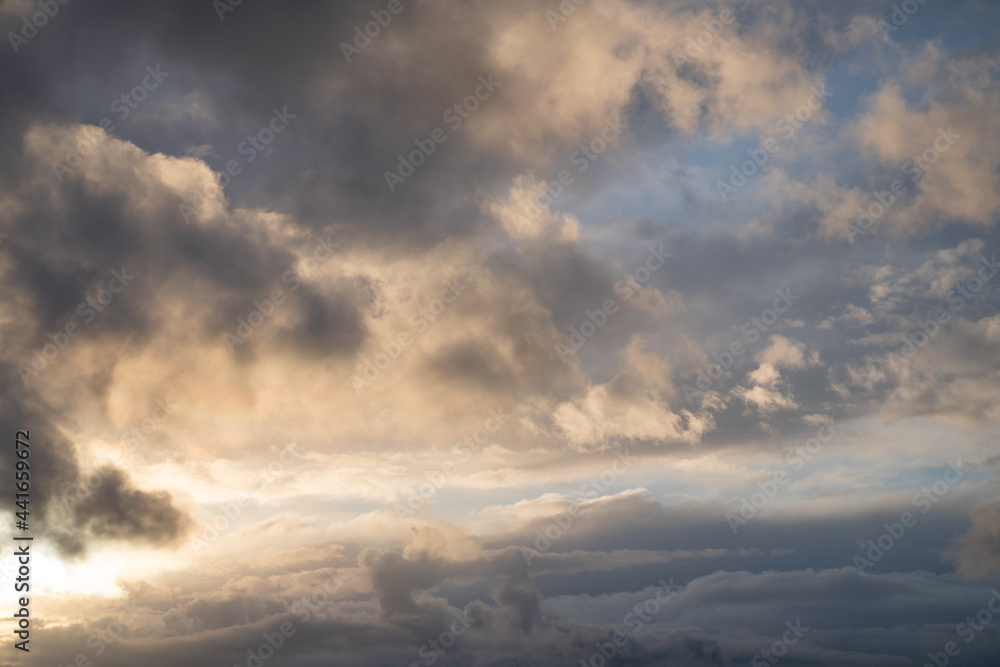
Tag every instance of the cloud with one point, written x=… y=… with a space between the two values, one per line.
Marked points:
x=947 y=144
x=977 y=553
x=636 y=404
x=116 y=510
x=765 y=391
x=422 y=346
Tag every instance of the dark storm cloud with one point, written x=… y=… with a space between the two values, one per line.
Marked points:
x=72 y=258
x=115 y=509
x=353 y=119
x=52 y=461
x=327 y=324
x=112 y=507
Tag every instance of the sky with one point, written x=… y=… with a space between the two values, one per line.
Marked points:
x=501 y=334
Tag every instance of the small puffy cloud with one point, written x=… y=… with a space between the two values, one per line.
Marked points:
x=767 y=392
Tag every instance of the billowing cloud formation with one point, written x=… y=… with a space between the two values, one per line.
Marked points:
x=503 y=333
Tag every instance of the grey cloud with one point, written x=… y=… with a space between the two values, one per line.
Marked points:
x=117 y=510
